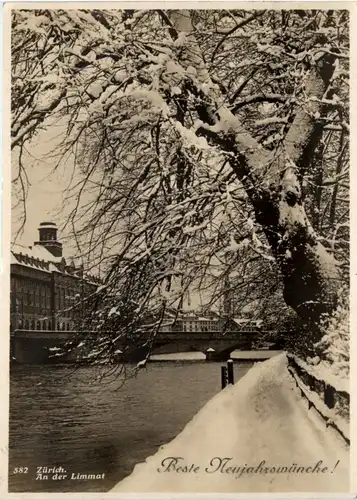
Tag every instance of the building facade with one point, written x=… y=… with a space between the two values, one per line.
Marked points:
x=47 y=292
x=207 y=321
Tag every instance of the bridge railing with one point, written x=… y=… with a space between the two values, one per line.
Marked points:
x=171 y=333
x=323 y=397
x=209 y=332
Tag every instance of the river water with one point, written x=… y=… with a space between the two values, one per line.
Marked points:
x=61 y=417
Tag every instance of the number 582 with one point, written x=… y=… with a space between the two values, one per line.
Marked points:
x=20 y=470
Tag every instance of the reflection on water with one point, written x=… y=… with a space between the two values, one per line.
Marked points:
x=61 y=418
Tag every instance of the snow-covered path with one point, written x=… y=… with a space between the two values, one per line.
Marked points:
x=260 y=420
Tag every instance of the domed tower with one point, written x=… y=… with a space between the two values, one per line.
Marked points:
x=48 y=238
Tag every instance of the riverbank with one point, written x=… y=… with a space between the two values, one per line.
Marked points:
x=255 y=436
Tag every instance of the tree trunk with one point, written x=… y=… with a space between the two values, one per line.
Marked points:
x=310 y=275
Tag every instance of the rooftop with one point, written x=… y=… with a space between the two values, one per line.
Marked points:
x=39 y=258
x=36 y=252
x=48 y=224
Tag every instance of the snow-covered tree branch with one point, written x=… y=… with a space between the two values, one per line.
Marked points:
x=211 y=143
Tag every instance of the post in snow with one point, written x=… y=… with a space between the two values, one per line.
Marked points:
x=223 y=376
x=230 y=371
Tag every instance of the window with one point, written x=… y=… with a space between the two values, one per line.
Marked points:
x=38 y=325
x=33 y=326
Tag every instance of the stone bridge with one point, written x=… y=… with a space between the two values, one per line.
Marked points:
x=37 y=346
x=216 y=346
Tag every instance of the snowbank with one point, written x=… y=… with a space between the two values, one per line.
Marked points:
x=251 y=437
x=254 y=355
x=323 y=372
x=336 y=345
x=179 y=356
x=200 y=356
x=331 y=415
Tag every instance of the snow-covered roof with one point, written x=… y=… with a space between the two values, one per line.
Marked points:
x=13 y=259
x=240 y=321
x=39 y=258
x=245 y=321
x=48 y=225
x=36 y=252
x=24 y=259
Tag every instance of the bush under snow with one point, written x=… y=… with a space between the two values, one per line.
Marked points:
x=334 y=345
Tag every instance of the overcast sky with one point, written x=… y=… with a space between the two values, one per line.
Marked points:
x=47 y=189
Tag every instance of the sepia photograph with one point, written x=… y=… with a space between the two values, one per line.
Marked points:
x=179 y=313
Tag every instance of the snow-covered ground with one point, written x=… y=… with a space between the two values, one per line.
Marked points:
x=323 y=371
x=255 y=355
x=199 y=356
x=261 y=422
x=179 y=356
